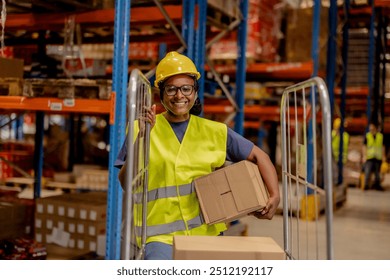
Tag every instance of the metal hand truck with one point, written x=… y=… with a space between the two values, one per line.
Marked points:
x=307 y=170
x=137 y=162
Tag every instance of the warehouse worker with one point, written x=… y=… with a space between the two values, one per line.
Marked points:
x=183 y=147
x=336 y=141
x=337 y=175
x=373 y=154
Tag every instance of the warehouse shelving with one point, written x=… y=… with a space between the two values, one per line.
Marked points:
x=41 y=106
x=363 y=60
x=59 y=106
x=363 y=94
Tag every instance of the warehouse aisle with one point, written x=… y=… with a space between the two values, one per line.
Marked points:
x=360 y=227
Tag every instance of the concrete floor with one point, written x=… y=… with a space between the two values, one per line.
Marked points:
x=361 y=227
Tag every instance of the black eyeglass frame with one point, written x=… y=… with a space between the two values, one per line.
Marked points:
x=178 y=88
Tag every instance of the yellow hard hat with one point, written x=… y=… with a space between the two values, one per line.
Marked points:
x=336 y=123
x=175 y=63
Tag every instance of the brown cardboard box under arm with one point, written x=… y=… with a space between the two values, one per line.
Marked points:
x=226 y=248
x=231 y=192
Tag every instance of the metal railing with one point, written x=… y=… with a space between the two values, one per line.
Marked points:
x=307 y=170
x=137 y=161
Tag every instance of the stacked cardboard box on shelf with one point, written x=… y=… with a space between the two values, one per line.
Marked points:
x=71 y=220
x=263 y=32
x=11 y=76
x=299 y=35
x=93 y=179
x=84 y=176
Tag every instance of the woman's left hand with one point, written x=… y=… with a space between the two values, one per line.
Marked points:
x=269 y=210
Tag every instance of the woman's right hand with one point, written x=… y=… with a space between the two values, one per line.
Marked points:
x=151 y=115
x=148 y=117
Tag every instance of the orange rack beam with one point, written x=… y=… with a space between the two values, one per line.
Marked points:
x=288 y=70
x=285 y=70
x=357 y=91
x=264 y=113
x=356 y=125
x=59 y=106
x=139 y=15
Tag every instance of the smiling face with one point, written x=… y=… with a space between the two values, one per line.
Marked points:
x=178 y=105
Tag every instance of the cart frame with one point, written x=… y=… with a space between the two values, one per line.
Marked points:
x=137 y=164
x=298 y=114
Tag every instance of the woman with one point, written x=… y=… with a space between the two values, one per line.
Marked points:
x=184 y=147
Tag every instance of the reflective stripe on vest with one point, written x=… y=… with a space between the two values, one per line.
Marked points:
x=374 y=146
x=165 y=192
x=171 y=227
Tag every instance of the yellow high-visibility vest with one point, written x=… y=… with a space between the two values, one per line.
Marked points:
x=336 y=145
x=374 y=146
x=173 y=207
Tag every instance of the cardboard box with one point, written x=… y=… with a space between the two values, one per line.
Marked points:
x=231 y=192
x=298 y=35
x=11 y=68
x=226 y=248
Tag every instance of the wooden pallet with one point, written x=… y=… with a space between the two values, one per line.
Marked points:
x=221 y=12
x=11 y=87
x=20 y=182
x=68 y=88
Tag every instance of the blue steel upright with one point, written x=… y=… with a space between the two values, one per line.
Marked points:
x=200 y=46
x=38 y=152
x=241 y=68
x=315 y=57
x=117 y=130
x=188 y=29
x=344 y=77
x=331 y=65
x=195 y=38
x=332 y=52
x=371 y=55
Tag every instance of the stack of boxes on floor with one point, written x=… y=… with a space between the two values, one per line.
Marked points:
x=16 y=215
x=75 y=220
x=16 y=228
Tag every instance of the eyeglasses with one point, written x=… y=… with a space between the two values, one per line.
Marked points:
x=186 y=90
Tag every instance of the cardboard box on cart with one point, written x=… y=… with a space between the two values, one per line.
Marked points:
x=226 y=248
x=231 y=192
